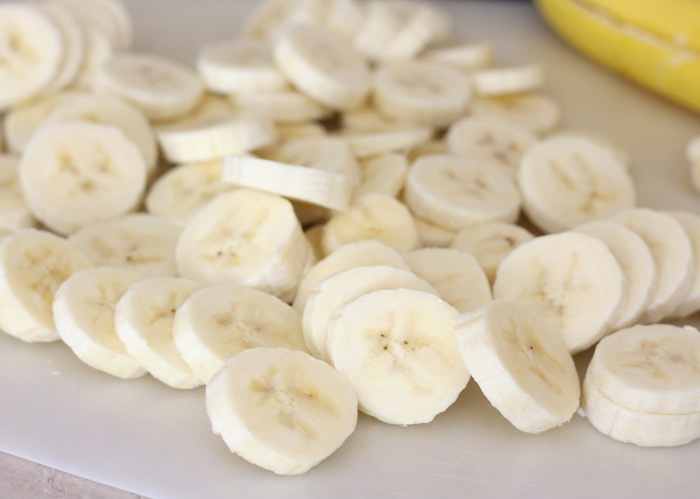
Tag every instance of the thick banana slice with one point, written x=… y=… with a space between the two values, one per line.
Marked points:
x=143 y=321
x=77 y=173
x=141 y=242
x=468 y=56
x=220 y=321
x=571 y=279
x=508 y=80
x=284 y=106
x=239 y=66
x=83 y=309
x=673 y=255
x=490 y=243
x=595 y=183
x=33 y=264
x=245 y=237
x=31 y=52
x=383 y=174
x=636 y=262
x=184 y=189
x=646 y=375
x=425 y=93
x=456 y=192
x=161 y=88
x=533 y=111
x=281 y=409
x=332 y=293
x=14 y=212
x=456 y=275
x=398 y=350
x=323 y=66
x=372 y=216
x=520 y=363
x=691 y=224
x=366 y=145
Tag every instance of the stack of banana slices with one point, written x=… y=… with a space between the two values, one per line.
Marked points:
x=328 y=213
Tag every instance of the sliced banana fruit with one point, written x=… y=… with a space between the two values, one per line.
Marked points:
x=245 y=237
x=366 y=145
x=465 y=55
x=456 y=275
x=383 y=174
x=77 y=173
x=218 y=322
x=398 y=349
x=431 y=235
x=520 y=363
x=596 y=184
x=283 y=106
x=508 y=80
x=691 y=224
x=143 y=321
x=14 y=212
x=281 y=409
x=455 y=192
x=33 y=264
x=533 y=111
x=83 y=309
x=570 y=279
x=643 y=385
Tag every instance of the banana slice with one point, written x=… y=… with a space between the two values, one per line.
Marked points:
x=143 y=321
x=182 y=190
x=456 y=192
x=508 y=80
x=359 y=254
x=430 y=147
x=323 y=66
x=692 y=153
x=245 y=237
x=311 y=185
x=83 y=309
x=287 y=106
x=77 y=173
x=383 y=174
x=490 y=243
x=366 y=145
x=366 y=120
x=691 y=224
x=424 y=93
x=468 y=56
x=596 y=184
x=14 y=212
x=536 y=112
x=397 y=348
x=636 y=262
x=161 y=88
x=372 y=216
x=456 y=275
x=622 y=155
x=431 y=235
x=239 y=66
x=646 y=375
x=141 y=242
x=329 y=295
x=33 y=264
x=673 y=255
x=570 y=279
x=281 y=409
x=521 y=365
x=31 y=52
x=218 y=322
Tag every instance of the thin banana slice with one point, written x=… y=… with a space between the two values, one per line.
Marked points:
x=398 y=350
x=521 y=365
x=456 y=275
x=14 y=212
x=83 y=309
x=33 y=264
x=323 y=66
x=383 y=174
x=508 y=80
x=329 y=295
x=456 y=192
x=161 y=88
x=245 y=237
x=359 y=254
x=424 y=93
x=366 y=145
x=533 y=111
x=570 y=279
x=691 y=224
x=490 y=243
x=218 y=322
x=637 y=265
x=184 y=189
x=143 y=321
x=141 y=242
x=372 y=216
x=673 y=255
x=77 y=173
x=283 y=106
x=281 y=409
x=568 y=181
x=465 y=55
x=31 y=52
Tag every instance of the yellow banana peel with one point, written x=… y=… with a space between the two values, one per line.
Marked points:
x=654 y=43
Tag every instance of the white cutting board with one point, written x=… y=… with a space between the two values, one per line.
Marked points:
x=143 y=437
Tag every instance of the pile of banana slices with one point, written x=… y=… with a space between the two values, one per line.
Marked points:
x=344 y=207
